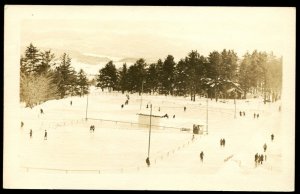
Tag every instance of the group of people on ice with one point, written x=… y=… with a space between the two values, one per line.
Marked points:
x=259 y=158
x=256 y=115
x=92 y=128
x=126 y=102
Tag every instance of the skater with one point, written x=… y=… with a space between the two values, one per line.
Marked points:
x=30 y=133
x=272 y=137
x=45 y=137
x=256 y=159
x=244 y=114
x=147 y=106
x=126 y=102
x=223 y=143
x=265 y=147
x=122 y=106
x=148 y=161
x=42 y=111
x=22 y=124
x=261 y=158
x=184 y=109
x=71 y=102
x=240 y=113
x=201 y=156
x=257 y=115
x=254 y=115
x=158 y=108
x=173 y=116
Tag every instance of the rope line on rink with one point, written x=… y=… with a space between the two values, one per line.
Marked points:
x=113 y=170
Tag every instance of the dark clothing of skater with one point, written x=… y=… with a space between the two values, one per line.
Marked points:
x=257 y=115
x=45 y=137
x=71 y=102
x=184 y=108
x=22 y=124
x=240 y=113
x=147 y=106
x=254 y=115
x=148 y=161
x=122 y=105
x=166 y=116
x=223 y=142
x=30 y=133
x=158 y=108
x=201 y=156
x=244 y=114
x=126 y=102
x=261 y=158
x=256 y=159
x=42 y=111
x=272 y=137
x=173 y=116
x=265 y=147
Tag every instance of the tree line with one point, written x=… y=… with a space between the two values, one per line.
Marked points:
x=42 y=78
x=219 y=75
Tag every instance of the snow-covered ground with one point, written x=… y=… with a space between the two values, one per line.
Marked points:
x=113 y=157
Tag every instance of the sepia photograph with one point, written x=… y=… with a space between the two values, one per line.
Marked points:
x=149 y=98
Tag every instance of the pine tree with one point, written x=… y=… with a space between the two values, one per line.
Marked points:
x=65 y=76
x=82 y=82
x=107 y=77
x=31 y=60
x=167 y=75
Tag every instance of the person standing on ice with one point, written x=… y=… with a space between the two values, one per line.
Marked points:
x=45 y=137
x=256 y=159
x=265 y=147
x=201 y=156
x=244 y=114
x=272 y=137
x=254 y=115
x=30 y=133
x=257 y=115
x=22 y=124
x=71 y=102
x=223 y=142
x=42 y=111
x=184 y=109
x=240 y=113
x=148 y=161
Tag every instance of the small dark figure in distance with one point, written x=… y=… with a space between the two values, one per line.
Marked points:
x=256 y=159
x=184 y=109
x=71 y=102
x=254 y=115
x=261 y=158
x=22 y=124
x=201 y=156
x=244 y=114
x=147 y=106
x=122 y=105
x=257 y=115
x=223 y=142
x=45 y=137
x=265 y=147
x=42 y=111
x=126 y=102
x=30 y=133
x=240 y=113
x=173 y=116
x=148 y=161
x=265 y=157
x=272 y=137
x=158 y=108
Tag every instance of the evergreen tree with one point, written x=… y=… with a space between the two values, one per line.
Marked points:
x=31 y=60
x=107 y=77
x=167 y=75
x=65 y=76
x=82 y=82
x=123 y=79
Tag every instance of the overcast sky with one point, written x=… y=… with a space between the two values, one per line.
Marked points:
x=155 y=32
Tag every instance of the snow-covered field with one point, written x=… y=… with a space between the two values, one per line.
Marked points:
x=113 y=157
